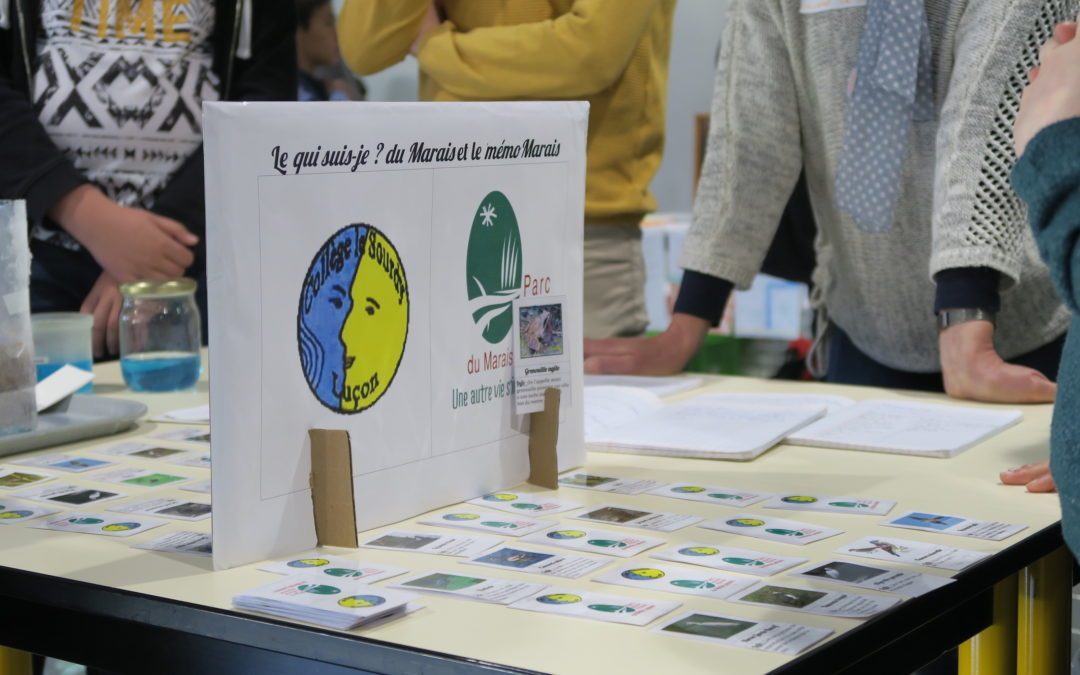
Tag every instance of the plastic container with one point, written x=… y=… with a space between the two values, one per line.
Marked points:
x=160 y=333
x=63 y=338
x=18 y=405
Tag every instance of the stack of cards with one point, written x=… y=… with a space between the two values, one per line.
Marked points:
x=342 y=603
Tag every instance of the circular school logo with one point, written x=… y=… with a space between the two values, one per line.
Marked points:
x=566 y=534
x=642 y=574
x=799 y=499
x=745 y=522
x=721 y=495
x=500 y=497
x=309 y=562
x=353 y=319
x=849 y=505
x=460 y=516
x=688 y=489
x=120 y=527
x=361 y=601
x=559 y=599
x=612 y=609
x=343 y=572
x=493 y=266
x=699 y=550
x=85 y=521
x=524 y=506
x=318 y=589
x=785 y=533
x=607 y=543
x=693 y=583
x=499 y=524
x=748 y=562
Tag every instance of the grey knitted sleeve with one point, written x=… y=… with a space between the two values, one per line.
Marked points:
x=978 y=220
x=754 y=154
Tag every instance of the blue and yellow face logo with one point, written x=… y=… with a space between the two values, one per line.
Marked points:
x=457 y=517
x=305 y=563
x=799 y=499
x=120 y=527
x=699 y=550
x=353 y=319
x=566 y=534
x=746 y=522
x=559 y=599
x=643 y=574
x=500 y=497
x=361 y=601
x=688 y=489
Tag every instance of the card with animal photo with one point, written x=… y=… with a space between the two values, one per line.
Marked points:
x=99 y=523
x=524 y=503
x=333 y=566
x=14 y=511
x=139 y=477
x=711 y=495
x=69 y=495
x=772 y=529
x=676 y=579
x=853 y=505
x=541 y=354
x=900 y=582
x=613 y=514
x=593 y=540
x=199 y=461
x=766 y=636
x=956 y=525
x=13 y=479
x=730 y=559
x=620 y=486
x=168 y=508
x=139 y=450
x=69 y=463
x=496 y=591
x=913 y=553
x=487 y=522
x=825 y=603
x=459 y=546
x=597 y=606
x=539 y=562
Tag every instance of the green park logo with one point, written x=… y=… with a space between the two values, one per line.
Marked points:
x=493 y=266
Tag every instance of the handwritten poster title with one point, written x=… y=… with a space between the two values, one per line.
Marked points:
x=296 y=161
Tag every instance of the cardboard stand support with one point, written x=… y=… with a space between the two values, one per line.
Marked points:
x=332 y=498
x=333 y=502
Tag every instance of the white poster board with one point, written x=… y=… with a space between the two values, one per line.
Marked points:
x=363 y=260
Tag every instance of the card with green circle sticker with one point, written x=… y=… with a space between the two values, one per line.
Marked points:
x=801 y=501
x=771 y=529
x=14 y=511
x=333 y=567
x=337 y=602
x=107 y=525
x=728 y=558
x=524 y=503
x=596 y=606
x=710 y=494
x=606 y=542
x=485 y=521
x=676 y=579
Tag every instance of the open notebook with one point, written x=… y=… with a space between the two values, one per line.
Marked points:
x=906 y=428
x=629 y=420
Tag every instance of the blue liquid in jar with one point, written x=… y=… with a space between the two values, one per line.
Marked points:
x=161 y=371
x=46 y=369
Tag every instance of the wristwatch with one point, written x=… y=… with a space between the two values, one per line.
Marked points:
x=947 y=318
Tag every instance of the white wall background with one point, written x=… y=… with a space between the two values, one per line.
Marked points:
x=698 y=27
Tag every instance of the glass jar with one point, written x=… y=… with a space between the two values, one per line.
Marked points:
x=160 y=333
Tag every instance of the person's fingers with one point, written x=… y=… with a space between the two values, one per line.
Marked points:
x=112 y=326
x=176 y=231
x=1022 y=475
x=1065 y=32
x=1006 y=383
x=177 y=259
x=91 y=301
x=1043 y=483
x=101 y=321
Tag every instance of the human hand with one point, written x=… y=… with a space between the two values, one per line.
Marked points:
x=1036 y=477
x=662 y=354
x=973 y=370
x=129 y=243
x=1053 y=94
x=430 y=23
x=103 y=303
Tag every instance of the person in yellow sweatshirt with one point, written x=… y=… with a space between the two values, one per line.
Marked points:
x=613 y=53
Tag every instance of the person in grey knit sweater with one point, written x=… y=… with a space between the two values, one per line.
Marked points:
x=957 y=235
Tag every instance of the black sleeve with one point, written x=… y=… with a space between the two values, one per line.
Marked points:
x=968 y=288
x=31 y=166
x=269 y=75
x=703 y=296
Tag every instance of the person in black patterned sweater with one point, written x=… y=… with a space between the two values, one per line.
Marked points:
x=100 y=132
